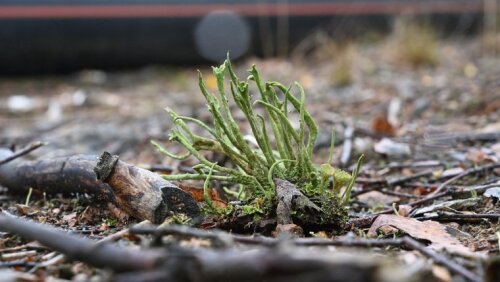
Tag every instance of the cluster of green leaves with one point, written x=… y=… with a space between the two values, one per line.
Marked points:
x=281 y=152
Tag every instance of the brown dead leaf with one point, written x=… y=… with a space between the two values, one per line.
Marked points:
x=70 y=219
x=429 y=230
x=117 y=212
x=441 y=273
x=197 y=194
x=421 y=191
x=480 y=245
x=388 y=230
x=404 y=210
x=23 y=209
x=382 y=126
x=478 y=156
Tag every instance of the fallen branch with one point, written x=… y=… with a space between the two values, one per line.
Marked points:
x=141 y=193
x=77 y=248
x=405 y=242
x=233 y=264
x=65 y=175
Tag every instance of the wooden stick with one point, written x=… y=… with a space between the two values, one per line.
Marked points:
x=78 y=248
x=26 y=150
x=141 y=193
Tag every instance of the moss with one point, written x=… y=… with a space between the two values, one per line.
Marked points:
x=178 y=218
x=332 y=213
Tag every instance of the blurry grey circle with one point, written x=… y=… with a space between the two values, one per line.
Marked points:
x=220 y=32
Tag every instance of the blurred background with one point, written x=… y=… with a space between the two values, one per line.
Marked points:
x=65 y=35
x=95 y=75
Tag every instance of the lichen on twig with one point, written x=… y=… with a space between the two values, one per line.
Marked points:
x=282 y=152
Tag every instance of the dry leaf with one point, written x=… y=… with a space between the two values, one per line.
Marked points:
x=441 y=273
x=382 y=126
x=478 y=156
x=480 y=245
x=197 y=194
x=70 y=219
x=429 y=230
x=404 y=210
x=23 y=209
x=117 y=213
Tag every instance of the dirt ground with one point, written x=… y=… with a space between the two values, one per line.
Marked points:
x=436 y=121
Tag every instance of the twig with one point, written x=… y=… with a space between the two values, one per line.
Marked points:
x=16 y=263
x=427 y=199
x=26 y=150
x=108 y=239
x=77 y=248
x=117 y=235
x=23 y=247
x=402 y=180
x=379 y=184
x=118 y=259
x=417 y=164
x=399 y=194
x=266 y=241
x=451 y=191
x=18 y=255
x=168 y=168
x=469 y=171
x=443 y=260
x=347 y=147
x=459 y=216
x=486 y=137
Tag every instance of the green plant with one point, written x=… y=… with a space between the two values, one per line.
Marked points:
x=343 y=66
x=415 y=43
x=282 y=151
x=179 y=218
x=110 y=222
x=28 y=197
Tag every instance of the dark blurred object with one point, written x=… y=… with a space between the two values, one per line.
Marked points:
x=65 y=35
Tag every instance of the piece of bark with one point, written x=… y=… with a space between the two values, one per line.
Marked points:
x=290 y=199
x=141 y=193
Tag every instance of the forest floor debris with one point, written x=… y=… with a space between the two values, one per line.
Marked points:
x=448 y=172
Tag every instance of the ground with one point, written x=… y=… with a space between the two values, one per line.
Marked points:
x=436 y=120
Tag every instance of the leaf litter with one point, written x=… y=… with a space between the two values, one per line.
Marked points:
x=433 y=133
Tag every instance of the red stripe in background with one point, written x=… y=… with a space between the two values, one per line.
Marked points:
x=196 y=10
